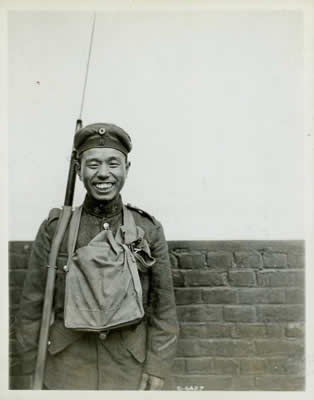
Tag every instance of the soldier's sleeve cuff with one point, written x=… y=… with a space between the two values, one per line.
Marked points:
x=155 y=366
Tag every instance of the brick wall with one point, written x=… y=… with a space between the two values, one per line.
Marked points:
x=241 y=310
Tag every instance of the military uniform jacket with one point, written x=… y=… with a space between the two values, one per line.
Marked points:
x=152 y=342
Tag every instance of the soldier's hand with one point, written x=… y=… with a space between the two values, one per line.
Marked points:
x=150 y=382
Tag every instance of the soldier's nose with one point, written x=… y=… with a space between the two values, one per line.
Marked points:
x=103 y=171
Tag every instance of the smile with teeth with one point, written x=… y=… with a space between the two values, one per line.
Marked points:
x=103 y=186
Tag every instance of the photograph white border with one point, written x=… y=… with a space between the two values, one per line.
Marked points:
x=307 y=8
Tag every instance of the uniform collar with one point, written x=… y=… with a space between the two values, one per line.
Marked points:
x=102 y=208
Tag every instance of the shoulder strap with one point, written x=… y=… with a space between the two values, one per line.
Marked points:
x=130 y=230
x=73 y=230
x=54 y=214
x=143 y=213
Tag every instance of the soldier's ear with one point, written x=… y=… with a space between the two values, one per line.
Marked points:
x=78 y=168
x=127 y=166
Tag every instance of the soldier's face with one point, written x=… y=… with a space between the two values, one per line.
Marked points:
x=103 y=172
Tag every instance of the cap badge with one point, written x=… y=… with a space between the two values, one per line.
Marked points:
x=102 y=131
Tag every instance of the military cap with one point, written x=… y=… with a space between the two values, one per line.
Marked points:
x=102 y=135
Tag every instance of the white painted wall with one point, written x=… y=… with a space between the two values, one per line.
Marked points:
x=213 y=102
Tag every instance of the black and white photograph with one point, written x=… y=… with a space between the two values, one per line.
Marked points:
x=159 y=197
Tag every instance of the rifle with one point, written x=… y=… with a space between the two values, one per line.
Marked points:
x=64 y=219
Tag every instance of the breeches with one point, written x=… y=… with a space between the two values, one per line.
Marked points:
x=92 y=363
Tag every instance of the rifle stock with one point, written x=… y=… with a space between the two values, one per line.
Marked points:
x=51 y=275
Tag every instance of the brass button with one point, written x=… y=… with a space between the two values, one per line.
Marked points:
x=103 y=335
x=106 y=226
x=65 y=268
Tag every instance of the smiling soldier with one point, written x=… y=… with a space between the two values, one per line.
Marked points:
x=114 y=322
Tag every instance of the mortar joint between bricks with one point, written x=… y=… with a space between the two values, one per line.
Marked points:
x=233 y=261
x=204 y=253
x=180 y=250
x=225 y=280
x=264 y=250
x=256 y=277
